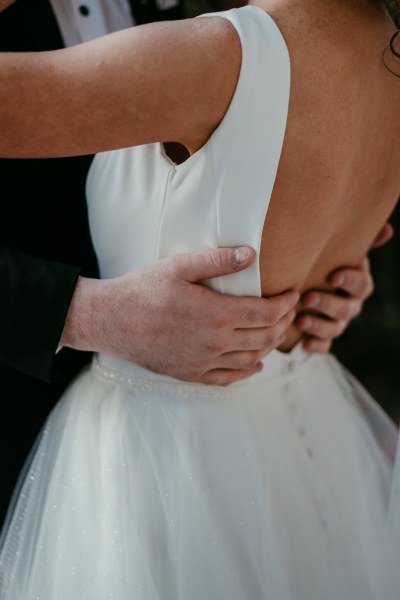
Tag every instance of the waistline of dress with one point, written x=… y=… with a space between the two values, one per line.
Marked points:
x=275 y=366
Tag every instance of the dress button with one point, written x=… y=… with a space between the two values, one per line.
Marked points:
x=289 y=366
x=84 y=10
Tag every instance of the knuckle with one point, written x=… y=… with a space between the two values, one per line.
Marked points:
x=362 y=289
x=245 y=360
x=272 y=315
x=345 y=312
x=365 y=283
x=215 y=260
x=322 y=330
x=222 y=378
x=251 y=360
x=325 y=329
x=268 y=337
x=208 y=260
x=214 y=348
x=250 y=315
x=221 y=320
x=311 y=323
x=370 y=289
x=190 y=375
x=329 y=306
x=271 y=338
x=352 y=310
x=251 y=342
x=338 y=328
x=276 y=334
x=324 y=301
x=343 y=309
x=273 y=343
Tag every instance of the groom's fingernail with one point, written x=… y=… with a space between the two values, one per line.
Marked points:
x=241 y=255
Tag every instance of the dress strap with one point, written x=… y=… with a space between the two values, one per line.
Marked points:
x=247 y=145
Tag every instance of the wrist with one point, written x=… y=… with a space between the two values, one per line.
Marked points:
x=84 y=314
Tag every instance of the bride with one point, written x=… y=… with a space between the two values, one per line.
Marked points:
x=141 y=486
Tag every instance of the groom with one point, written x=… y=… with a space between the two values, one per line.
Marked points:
x=51 y=300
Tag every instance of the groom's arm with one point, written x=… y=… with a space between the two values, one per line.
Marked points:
x=159 y=316
x=34 y=300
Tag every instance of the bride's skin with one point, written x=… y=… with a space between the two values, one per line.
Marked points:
x=340 y=148
x=5 y=3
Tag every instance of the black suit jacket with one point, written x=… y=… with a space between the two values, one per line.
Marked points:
x=44 y=246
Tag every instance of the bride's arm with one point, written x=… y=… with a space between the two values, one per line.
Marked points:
x=160 y=82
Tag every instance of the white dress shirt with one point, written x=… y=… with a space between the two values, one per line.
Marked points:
x=83 y=20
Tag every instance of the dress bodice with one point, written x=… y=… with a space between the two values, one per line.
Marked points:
x=144 y=207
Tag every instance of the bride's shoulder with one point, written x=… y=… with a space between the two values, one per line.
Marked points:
x=341 y=23
x=340 y=39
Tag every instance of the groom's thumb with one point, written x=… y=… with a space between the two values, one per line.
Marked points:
x=214 y=263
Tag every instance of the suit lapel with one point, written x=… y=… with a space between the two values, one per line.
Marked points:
x=29 y=25
x=147 y=11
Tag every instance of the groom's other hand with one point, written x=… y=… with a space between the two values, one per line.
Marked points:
x=161 y=317
x=350 y=288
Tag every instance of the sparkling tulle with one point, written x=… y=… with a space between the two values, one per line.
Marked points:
x=140 y=489
x=391 y=561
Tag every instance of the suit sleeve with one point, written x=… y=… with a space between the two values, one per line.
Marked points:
x=34 y=300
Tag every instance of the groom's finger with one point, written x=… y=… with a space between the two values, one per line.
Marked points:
x=385 y=234
x=315 y=346
x=212 y=263
x=224 y=377
x=356 y=282
x=332 y=306
x=263 y=338
x=323 y=329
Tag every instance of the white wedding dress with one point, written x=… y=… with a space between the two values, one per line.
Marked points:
x=142 y=487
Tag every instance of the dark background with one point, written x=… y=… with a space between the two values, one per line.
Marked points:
x=371 y=346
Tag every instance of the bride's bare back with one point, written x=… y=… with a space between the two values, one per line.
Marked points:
x=339 y=175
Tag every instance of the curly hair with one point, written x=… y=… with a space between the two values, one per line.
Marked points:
x=393 y=8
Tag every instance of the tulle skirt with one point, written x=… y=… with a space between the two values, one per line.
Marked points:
x=144 y=488
x=391 y=561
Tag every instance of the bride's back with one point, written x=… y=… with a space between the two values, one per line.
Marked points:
x=339 y=176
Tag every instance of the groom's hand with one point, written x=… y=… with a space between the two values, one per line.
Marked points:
x=351 y=287
x=162 y=318
x=333 y=311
